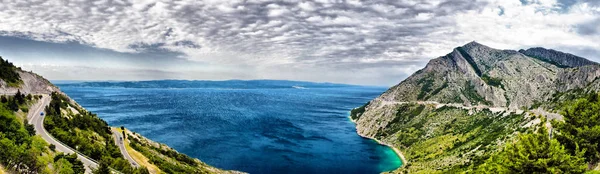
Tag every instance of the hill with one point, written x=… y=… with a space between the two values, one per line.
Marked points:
x=42 y=128
x=462 y=108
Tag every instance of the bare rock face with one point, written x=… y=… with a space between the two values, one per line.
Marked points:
x=31 y=84
x=556 y=57
x=475 y=75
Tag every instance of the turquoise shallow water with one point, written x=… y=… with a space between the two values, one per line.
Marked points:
x=251 y=126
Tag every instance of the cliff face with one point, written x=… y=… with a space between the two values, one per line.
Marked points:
x=30 y=83
x=476 y=79
x=557 y=58
x=475 y=74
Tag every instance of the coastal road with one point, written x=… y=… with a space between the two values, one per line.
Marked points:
x=120 y=141
x=37 y=121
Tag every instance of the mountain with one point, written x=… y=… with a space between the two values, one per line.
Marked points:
x=462 y=106
x=40 y=126
x=560 y=59
x=228 y=84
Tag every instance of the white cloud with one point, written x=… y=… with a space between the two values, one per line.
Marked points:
x=301 y=39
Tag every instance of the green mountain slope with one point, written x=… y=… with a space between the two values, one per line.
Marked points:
x=463 y=108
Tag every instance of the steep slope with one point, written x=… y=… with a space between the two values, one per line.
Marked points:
x=463 y=105
x=560 y=59
x=80 y=130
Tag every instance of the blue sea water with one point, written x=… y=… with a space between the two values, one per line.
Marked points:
x=261 y=126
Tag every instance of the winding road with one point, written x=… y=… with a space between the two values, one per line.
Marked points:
x=120 y=141
x=37 y=120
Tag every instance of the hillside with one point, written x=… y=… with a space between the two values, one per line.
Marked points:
x=461 y=108
x=37 y=143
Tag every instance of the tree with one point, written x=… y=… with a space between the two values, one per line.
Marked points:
x=13 y=105
x=20 y=97
x=581 y=127
x=534 y=153
x=29 y=128
x=63 y=166
x=52 y=147
x=102 y=168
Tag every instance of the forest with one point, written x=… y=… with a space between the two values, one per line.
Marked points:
x=9 y=74
x=571 y=146
x=86 y=132
x=22 y=150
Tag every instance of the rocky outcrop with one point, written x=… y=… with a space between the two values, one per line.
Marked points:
x=31 y=84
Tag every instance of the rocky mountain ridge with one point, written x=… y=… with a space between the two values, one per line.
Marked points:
x=476 y=74
x=480 y=79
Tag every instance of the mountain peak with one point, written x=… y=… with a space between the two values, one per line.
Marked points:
x=473 y=43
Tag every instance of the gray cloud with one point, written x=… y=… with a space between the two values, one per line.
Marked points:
x=589 y=28
x=261 y=37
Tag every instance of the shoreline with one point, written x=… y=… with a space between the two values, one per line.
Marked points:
x=396 y=150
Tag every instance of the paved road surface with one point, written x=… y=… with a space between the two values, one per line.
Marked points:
x=37 y=120
x=457 y=105
x=119 y=140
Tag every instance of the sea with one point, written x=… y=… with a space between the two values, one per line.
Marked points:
x=254 y=126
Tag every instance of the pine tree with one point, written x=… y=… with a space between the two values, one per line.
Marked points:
x=581 y=127
x=534 y=153
x=102 y=168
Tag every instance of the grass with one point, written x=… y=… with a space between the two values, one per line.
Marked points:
x=137 y=156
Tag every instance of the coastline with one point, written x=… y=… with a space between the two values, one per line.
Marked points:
x=396 y=150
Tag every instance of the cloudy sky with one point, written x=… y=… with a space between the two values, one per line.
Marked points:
x=371 y=42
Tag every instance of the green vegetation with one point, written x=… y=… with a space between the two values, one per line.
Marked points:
x=432 y=140
x=437 y=90
x=168 y=160
x=485 y=142
x=356 y=112
x=68 y=163
x=427 y=84
x=497 y=82
x=16 y=102
x=581 y=126
x=534 y=153
x=21 y=151
x=85 y=132
x=8 y=73
x=471 y=93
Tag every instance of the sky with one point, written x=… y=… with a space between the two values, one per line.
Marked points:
x=372 y=42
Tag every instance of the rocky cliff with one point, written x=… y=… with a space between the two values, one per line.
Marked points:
x=474 y=87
